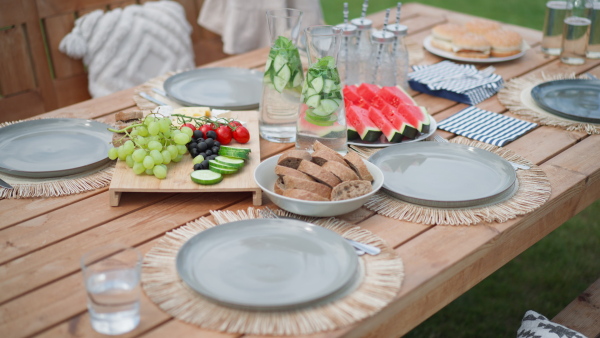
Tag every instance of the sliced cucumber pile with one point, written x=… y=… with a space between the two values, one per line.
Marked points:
x=206 y=177
x=229 y=161
x=322 y=92
x=284 y=68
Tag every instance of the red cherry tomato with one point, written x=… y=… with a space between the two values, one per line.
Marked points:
x=224 y=134
x=206 y=127
x=234 y=124
x=189 y=125
x=241 y=134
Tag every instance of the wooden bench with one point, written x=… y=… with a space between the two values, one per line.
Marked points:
x=35 y=77
x=583 y=313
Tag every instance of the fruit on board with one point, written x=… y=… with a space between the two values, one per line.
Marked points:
x=392 y=134
x=399 y=122
x=358 y=118
x=416 y=116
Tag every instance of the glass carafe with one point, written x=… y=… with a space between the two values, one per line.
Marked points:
x=283 y=78
x=322 y=116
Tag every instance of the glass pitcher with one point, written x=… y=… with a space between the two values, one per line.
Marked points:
x=322 y=116
x=282 y=82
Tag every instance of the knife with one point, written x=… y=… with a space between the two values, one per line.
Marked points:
x=151 y=99
x=5 y=185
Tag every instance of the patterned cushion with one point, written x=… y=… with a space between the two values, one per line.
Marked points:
x=534 y=325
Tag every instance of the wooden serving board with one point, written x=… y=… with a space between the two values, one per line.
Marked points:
x=178 y=176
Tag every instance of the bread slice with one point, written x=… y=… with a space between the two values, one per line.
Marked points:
x=317 y=146
x=279 y=186
x=320 y=189
x=129 y=115
x=319 y=174
x=350 y=189
x=287 y=171
x=292 y=158
x=342 y=171
x=303 y=195
x=321 y=157
x=358 y=165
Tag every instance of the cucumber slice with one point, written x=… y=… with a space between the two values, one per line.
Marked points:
x=233 y=154
x=221 y=165
x=206 y=177
x=313 y=101
x=279 y=83
x=246 y=150
x=224 y=171
x=234 y=162
x=297 y=79
x=320 y=121
x=320 y=112
x=328 y=86
x=279 y=62
x=310 y=92
x=317 y=84
x=268 y=64
x=329 y=106
x=282 y=78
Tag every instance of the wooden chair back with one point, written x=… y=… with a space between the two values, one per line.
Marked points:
x=35 y=77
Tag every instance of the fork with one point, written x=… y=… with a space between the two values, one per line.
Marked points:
x=360 y=248
x=515 y=166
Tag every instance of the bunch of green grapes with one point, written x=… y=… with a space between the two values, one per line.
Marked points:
x=152 y=145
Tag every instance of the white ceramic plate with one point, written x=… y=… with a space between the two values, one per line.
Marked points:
x=444 y=174
x=267 y=263
x=383 y=142
x=53 y=147
x=452 y=56
x=265 y=177
x=220 y=88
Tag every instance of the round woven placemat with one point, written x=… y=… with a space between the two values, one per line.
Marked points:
x=382 y=277
x=30 y=187
x=516 y=96
x=533 y=191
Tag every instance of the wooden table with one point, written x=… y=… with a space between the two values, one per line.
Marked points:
x=41 y=240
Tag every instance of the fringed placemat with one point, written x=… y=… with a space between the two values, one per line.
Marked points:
x=30 y=187
x=533 y=191
x=382 y=277
x=516 y=96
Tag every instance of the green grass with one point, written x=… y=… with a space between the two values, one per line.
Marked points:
x=547 y=276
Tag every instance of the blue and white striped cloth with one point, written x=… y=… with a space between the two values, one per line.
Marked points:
x=486 y=126
x=460 y=83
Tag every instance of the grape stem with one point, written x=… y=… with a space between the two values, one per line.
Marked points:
x=203 y=120
x=124 y=130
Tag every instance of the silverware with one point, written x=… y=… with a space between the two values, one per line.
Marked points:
x=152 y=99
x=5 y=185
x=360 y=248
x=515 y=166
x=159 y=92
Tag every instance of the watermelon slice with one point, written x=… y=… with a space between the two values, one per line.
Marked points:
x=415 y=115
x=396 y=96
x=358 y=118
x=368 y=91
x=392 y=134
x=352 y=133
x=399 y=122
x=351 y=94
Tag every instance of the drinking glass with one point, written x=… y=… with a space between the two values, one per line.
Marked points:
x=556 y=11
x=283 y=78
x=575 y=33
x=322 y=116
x=111 y=276
x=593 y=49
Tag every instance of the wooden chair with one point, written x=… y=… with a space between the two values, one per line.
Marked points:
x=583 y=313
x=35 y=77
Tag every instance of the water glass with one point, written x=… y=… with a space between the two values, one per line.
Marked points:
x=111 y=276
x=593 y=50
x=576 y=33
x=556 y=12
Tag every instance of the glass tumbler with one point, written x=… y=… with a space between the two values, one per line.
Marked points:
x=111 y=276
x=593 y=49
x=282 y=82
x=556 y=11
x=322 y=116
x=576 y=33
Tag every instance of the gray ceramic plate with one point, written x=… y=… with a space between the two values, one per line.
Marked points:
x=267 y=263
x=577 y=100
x=53 y=147
x=383 y=142
x=444 y=174
x=220 y=88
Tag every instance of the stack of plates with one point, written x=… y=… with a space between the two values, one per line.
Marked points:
x=445 y=175
x=268 y=264
x=577 y=100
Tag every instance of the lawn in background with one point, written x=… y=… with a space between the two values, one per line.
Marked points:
x=547 y=276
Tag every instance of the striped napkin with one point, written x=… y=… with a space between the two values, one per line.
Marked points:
x=457 y=82
x=486 y=126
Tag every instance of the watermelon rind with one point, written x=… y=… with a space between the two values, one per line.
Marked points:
x=352 y=133
x=358 y=119
x=399 y=122
x=415 y=115
x=392 y=134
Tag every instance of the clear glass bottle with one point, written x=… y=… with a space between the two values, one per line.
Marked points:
x=383 y=64
x=283 y=78
x=400 y=53
x=363 y=42
x=348 y=57
x=322 y=116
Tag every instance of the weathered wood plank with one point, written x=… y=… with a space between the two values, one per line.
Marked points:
x=16 y=69
x=21 y=106
x=57 y=27
x=583 y=313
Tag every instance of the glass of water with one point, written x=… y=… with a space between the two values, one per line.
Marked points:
x=556 y=11
x=576 y=33
x=111 y=275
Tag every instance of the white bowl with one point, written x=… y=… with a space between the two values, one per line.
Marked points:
x=265 y=177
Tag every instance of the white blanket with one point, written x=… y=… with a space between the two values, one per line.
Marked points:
x=123 y=48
